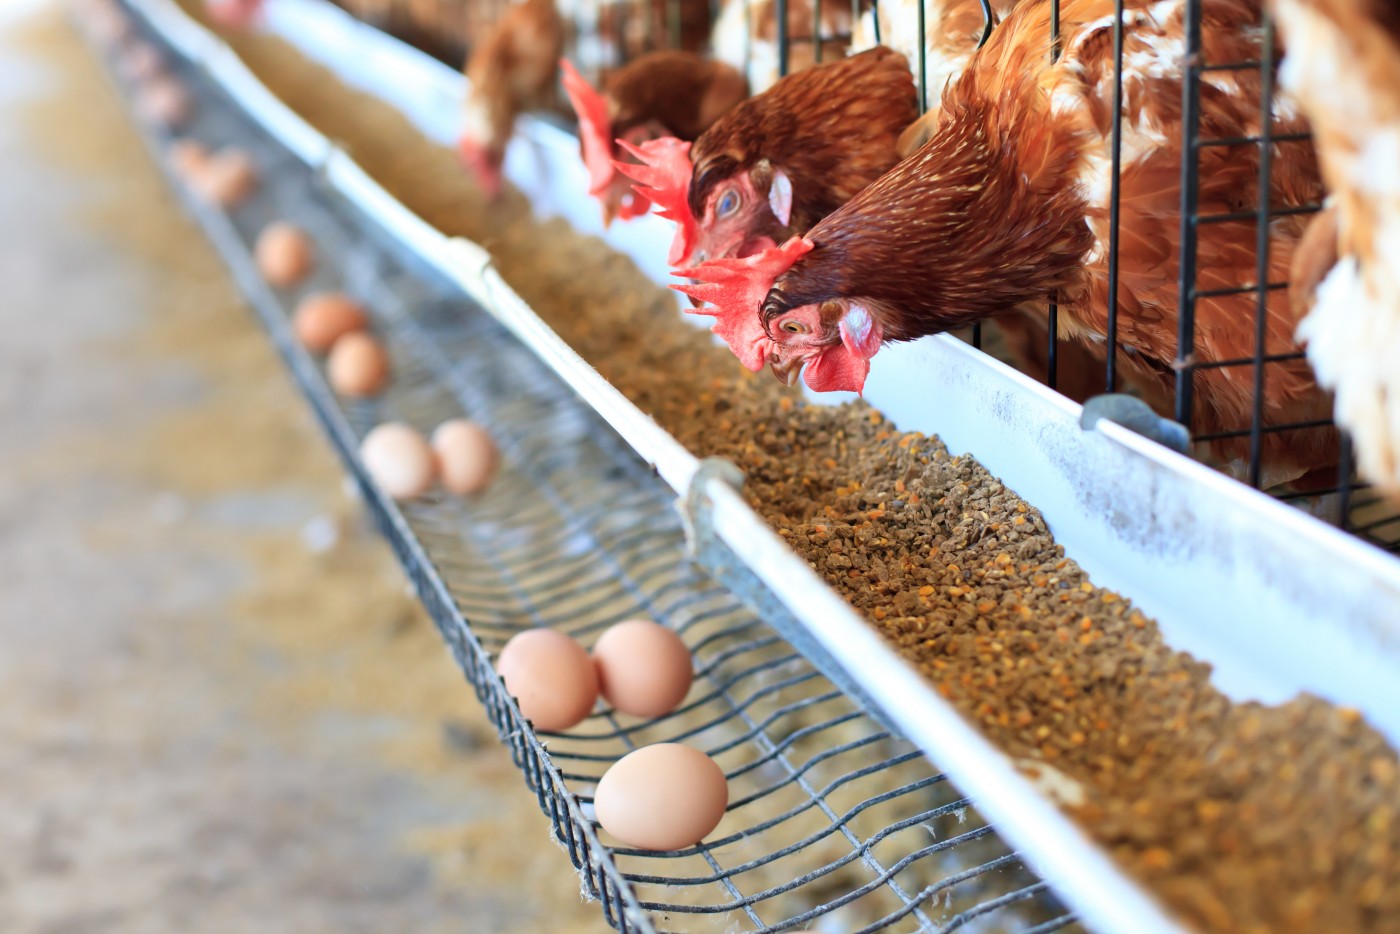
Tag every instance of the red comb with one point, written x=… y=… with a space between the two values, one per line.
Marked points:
x=640 y=206
x=594 y=127
x=736 y=288
x=664 y=179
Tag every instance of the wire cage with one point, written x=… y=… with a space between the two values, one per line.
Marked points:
x=609 y=34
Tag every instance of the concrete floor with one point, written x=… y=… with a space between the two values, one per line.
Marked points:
x=219 y=709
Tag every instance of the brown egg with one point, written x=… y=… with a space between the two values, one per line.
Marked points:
x=284 y=254
x=163 y=101
x=227 y=178
x=662 y=797
x=324 y=318
x=188 y=158
x=358 y=365
x=398 y=459
x=643 y=668
x=141 y=61
x=108 y=22
x=550 y=676
x=467 y=457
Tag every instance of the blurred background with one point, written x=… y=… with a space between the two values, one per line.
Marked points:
x=204 y=717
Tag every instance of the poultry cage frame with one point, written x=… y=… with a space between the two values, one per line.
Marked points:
x=1343 y=501
x=1190 y=517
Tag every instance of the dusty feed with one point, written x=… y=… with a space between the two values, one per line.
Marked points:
x=1242 y=817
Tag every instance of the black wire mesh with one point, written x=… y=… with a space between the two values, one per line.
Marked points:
x=1334 y=499
x=639 y=25
x=832 y=819
x=1340 y=498
x=1366 y=515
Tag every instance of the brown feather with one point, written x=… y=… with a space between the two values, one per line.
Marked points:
x=804 y=125
x=516 y=67
x=1344 y=66
x=682 y=92
x=991 y=213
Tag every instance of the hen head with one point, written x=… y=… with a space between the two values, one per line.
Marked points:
x=482 y=144
x=619 y=197
x=777 y=163
x=745 y=215
x=595 y=140
x=743 y=211
x=828 y=342
x=483 y=161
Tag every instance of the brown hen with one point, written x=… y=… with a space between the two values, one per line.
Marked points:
x=513 y=69
x=1009 y=201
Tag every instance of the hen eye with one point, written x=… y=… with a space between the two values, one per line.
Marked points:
x=727 y=204
x=794 y=327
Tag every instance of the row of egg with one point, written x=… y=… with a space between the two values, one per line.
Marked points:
x=660 y=797
x=402 y=462
x=225 y=177
x=462 y=455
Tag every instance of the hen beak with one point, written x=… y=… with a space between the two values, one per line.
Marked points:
x=787 y=370
x=694 y=260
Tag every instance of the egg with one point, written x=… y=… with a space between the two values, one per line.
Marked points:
x=644 y=669
x=284 y=254
x=358 y=365
x=550 y=676
x=398 y=459
x=108 y=23
x=324 y=318
x=228 y=177
x=141 y=61
x=467 y=457
x=163 y=101
x=188 y=158
x=662 y=797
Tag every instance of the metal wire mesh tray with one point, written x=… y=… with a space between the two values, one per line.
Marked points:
x=833 y=819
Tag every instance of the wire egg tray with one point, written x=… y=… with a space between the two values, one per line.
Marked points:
x=835 y=823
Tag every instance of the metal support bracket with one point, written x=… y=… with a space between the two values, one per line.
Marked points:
x=1136 y=416
x=695 y=506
